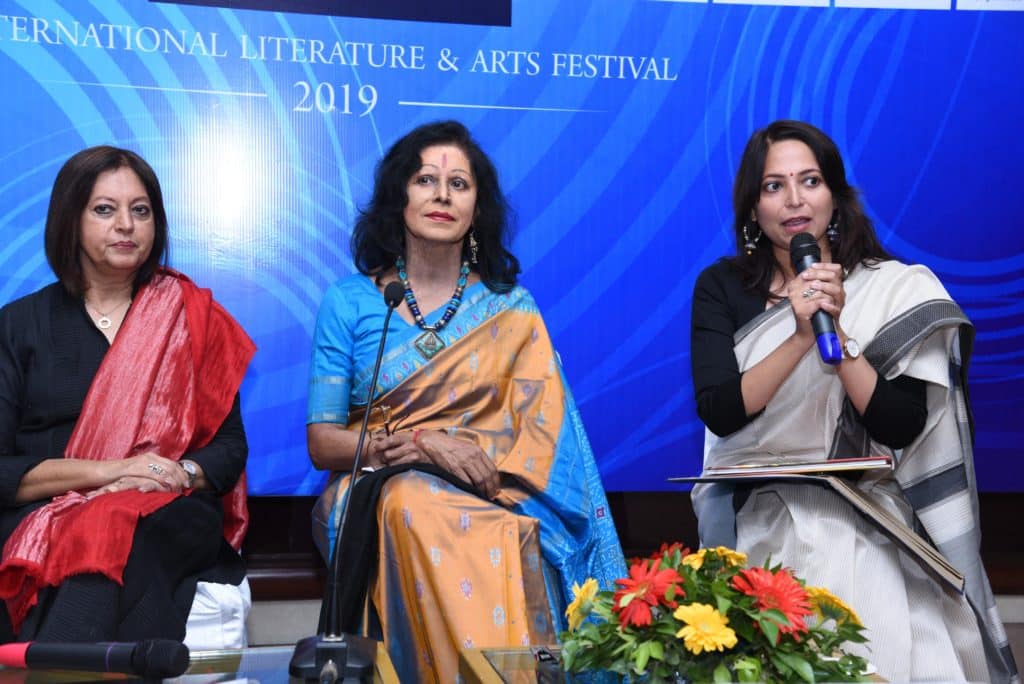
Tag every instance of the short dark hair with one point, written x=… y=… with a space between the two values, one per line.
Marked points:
x=379 y=234
x=857 y=241
x=70 y=195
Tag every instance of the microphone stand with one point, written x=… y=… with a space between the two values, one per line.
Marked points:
x=331 y=655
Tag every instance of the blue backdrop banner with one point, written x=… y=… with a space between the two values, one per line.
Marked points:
x=616 y=125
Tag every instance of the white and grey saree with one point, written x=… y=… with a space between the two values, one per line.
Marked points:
x=919 y=628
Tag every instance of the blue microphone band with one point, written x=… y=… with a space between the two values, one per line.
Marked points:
x=829 y=348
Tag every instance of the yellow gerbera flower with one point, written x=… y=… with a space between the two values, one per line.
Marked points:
x=706 y=629
x=736 y=559
x=730 y=557
x=580 y=607
x=828 y=606
x=695 y=560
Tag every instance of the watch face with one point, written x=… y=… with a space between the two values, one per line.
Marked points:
x=190 y=469
x=852 y=348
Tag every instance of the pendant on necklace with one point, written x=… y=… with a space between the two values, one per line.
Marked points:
x=428 y=344
x=103 y=323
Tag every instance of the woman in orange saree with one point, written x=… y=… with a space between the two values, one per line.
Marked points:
x=482 y=396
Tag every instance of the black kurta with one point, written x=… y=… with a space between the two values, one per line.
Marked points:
x=50 y=351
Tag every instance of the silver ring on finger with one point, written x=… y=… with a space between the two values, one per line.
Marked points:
x=809 y=292
x=155 y=468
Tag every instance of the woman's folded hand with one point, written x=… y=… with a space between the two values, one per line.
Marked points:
x=143 y=484
x=397 y=449
x=463 y=459
x=165 y=474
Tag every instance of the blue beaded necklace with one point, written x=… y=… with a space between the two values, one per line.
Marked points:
x=429 y=343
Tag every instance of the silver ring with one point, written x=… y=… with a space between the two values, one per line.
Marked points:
x=809 y=292
x=155 y=468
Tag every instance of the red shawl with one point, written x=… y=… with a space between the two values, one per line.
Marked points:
x=166 y=385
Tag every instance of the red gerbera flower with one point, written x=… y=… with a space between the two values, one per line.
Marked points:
x=669 y=549
x=645 y=587
x=779 y=591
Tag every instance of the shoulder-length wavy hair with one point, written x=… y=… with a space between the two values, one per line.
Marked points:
x=857 y=241
x=379 y=235
x=68 y=199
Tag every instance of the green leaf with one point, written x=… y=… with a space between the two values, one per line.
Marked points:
x=775 y=614
x=588 y=630
x=802 y=668
x=722 y=673
x=770 y=629
x=667 y=629
x=746 y=663
x=748 y=669
x=748 y=677
x=641 y=656
x=780 y=664
x=744 y=629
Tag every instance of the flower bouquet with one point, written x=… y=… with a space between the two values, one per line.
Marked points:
x=704 y=617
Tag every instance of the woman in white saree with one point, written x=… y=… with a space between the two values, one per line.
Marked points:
x=764 y=392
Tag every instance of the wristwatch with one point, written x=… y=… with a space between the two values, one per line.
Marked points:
x=851 y=348
x=192 y=470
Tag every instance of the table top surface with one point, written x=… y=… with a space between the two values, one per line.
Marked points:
x=511 y=665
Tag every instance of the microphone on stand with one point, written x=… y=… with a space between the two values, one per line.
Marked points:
x=804 y=251
x=330 y=655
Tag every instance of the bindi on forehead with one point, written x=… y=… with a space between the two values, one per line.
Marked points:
x=444 y=160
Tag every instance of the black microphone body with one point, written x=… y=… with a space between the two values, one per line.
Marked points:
x=150 y=659
x=804 y=251
x=330 y=653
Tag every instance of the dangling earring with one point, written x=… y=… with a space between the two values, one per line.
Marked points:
x=833 y=229
x=750 y=243
x=473 y=247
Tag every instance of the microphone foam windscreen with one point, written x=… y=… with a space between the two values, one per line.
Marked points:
x=802 y=245
x=160 y=658
x=393 y=293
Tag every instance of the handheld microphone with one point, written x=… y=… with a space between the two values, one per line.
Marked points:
x=330 y=654
x=149 y=659
x=804 y=251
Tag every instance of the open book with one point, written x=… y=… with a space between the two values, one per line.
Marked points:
x=912 y=542
x=801 y=467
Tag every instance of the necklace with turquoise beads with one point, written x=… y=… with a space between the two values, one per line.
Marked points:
x=429 y=343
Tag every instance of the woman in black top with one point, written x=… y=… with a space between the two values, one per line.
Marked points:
x=103 y=419
x=765 y=394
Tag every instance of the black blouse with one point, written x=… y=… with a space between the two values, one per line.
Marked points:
x=50 y=351
x=895 y=414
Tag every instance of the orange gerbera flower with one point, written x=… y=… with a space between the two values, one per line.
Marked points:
x=645 y=587
x=666 y=550
x=669 y=549
x=778 y=590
